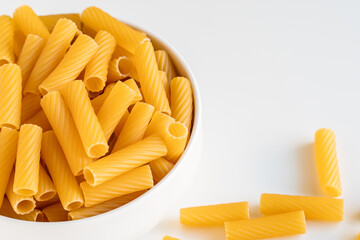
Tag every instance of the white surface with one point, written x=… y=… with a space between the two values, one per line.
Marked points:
x=270 y=73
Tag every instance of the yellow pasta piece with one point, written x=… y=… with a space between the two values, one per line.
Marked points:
x=51 y=20
x=55 y=213
x=103 y=207
x=169 y=238
x=125 y=36
x=122 y=161
x=10 y=96
x=29 y=54
x=97 y=69
x=98 y=101
x=114 y=107
x=21 y=204
x=46 y=189
x=8 y=146
x=74 y=61
x=165 y=82
x=266 y=227
x=51 y=55
x=59 y=117
x=319 y=208
x=119 y=68
x=135 y=126
x=159 y=123
x=119 y=52
x=135 y=180
x=132 y=84
x=164 y=62
x=181 y=100
x=66 y=185
x=29 y=22
x=86 y=122
x=159 y=168
x=27 y=164
x=7 y=211
x=214 y=214
x=7 y=32
x=19 y=40
x=40 y=120
x=327 y=162
x=147 y=71
x=175 y=138
x=121 y=124
x=30 y=105
x=44 y=204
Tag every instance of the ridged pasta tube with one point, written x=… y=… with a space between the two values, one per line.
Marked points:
x=135 y=126
x=98 y=101
x=55 y=213
x=10 y=96
x=214 y=214
x=181 y=100
x=125 y=36
x=30 y=105
x=327 y=162
x=114 y=107
x=121 y=124
x=27 y=164
x=74 y=61
x=164 y=62
x=159 y=123
x=7 y=211
x=7 y=32
x=51 y=55
x=132 y=84
x=135 y=180
x=319 y=208
x=29 y=22
x=66 y=185
x=97 y=69
x=46 y=189
x=124 y=160
x=86 y=122
x=165 y=82
x=266 y=227
x=59 y=116
x=119 y=68
x=103 y=207
x=51 y=20
x=147 y=71
x=29 y=54
x=175 y=138
x=160 y=168
x=8 y=146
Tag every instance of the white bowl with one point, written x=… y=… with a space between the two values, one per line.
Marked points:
x=140 y=215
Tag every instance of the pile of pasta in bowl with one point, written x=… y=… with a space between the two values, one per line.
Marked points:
x=91 y=115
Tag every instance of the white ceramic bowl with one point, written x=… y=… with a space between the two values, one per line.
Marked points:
x=135 y=218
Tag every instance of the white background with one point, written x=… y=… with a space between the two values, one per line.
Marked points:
x=270 y=74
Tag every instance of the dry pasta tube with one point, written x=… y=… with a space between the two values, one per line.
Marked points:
x=55 y=213
x=97 y=69
x=124 y=160
x=66 y=185
x=132 y=84
x=27 y=164
x=119 y=68
x=30 y=104
x=175 y=138
x=165 y=82
x=29 y=54
x=164 y=62
x=51 y=20
x=160 y=168
x=7 y=211
x=21 y=204
x=74 y=61
x=214 y=214
x=46 y=189
x=135 y=180
x=7 y=32
x=319 y=208
x=135 y=126
x=10 y=96
x=51 y=55
x=327 y=162
x=125 y=36
x=40 y=120
x=58 y=115
x=103 y=207
x=87 y=124
x=121 y=124
x=181 y=101
x=266 y=227
x=114 y=107
x=8 y=146
x=159 y=123
x=30 y=23
x=98 y=101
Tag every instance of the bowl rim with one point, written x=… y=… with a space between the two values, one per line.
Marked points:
x=194 y=133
